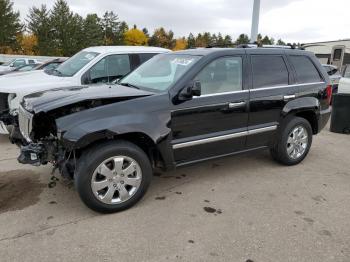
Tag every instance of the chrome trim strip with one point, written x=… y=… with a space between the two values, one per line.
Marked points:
x=294 y=85
x=262 y=130
x=224 y=93
x=224 y=137
x=257 y=89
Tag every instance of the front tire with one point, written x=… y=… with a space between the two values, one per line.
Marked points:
x=294 y=140
x=113 y=176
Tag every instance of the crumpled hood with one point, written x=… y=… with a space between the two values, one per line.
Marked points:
x=31 y=81
x=60 y=97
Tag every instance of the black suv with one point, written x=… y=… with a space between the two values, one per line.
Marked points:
x=176 y=109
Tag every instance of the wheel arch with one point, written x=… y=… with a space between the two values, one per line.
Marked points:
x=305 y=107
x=142 y=140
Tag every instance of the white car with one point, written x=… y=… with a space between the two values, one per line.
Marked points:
x=102 y=64
x=344 y=83
x=17 y=62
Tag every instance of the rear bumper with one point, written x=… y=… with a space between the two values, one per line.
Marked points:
x=324 y=118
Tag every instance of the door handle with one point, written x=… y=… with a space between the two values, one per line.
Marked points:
x=236 y=105
x=286 y=98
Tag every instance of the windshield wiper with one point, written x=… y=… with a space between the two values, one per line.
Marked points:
x=129 y=85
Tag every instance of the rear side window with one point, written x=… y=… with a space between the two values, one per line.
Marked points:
x=305 y=69
x=145 y=57
x=269 y=70
x=31 y=61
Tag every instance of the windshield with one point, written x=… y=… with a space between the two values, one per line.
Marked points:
x=74 y=64
x=8 y=62
x=160 y=72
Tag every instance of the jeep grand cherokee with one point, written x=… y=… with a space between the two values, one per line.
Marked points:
x=176 y=109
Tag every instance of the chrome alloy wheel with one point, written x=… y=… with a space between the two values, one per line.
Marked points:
x=116 y=180
x=297 y=142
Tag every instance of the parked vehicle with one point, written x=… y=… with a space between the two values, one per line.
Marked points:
x=344 y=83
x=51 y=65
x=176 y=109
x=90 y=66
x=334 y=76
x=24 y=68
x=17 y=62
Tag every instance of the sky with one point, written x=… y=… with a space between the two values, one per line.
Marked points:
x=291 y=20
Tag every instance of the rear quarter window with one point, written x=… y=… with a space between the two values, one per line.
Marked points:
x=145 y=57
x=269 y=71
x=305 y=70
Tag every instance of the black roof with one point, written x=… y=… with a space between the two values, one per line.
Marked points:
x=224 y=51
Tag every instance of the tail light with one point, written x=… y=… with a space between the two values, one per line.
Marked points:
x=329 y=94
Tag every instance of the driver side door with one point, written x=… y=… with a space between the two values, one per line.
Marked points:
x=215 y=123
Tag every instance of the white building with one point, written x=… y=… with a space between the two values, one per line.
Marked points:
x=331 y=52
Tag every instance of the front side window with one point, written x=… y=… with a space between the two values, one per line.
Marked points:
x=110 y=68
x=305 y=69
x=74 y=64
x=160 y=72
x=269 y=71
x=221 y=76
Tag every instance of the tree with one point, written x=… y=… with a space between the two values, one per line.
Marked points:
x=191 y=41
x=280 y=42
x=242 y=39
x=10 y=26
x=228 y=41
x=93 y=31
x=145 y=31
x=67 y=29
x=135 y=37
x=180 y=44
x=122 y=29
x=39 y=24
x=110 y=25
x=162 y=38
x=28 y=44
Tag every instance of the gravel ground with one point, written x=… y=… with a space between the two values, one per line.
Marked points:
x=242 y=208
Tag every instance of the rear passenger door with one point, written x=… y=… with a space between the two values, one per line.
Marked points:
x=271 y=88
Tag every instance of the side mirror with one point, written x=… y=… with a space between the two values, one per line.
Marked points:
x=12 y=65
x=192 y=89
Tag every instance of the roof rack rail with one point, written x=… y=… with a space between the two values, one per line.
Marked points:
x=288 y=46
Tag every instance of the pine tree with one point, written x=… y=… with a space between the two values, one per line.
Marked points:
x=10 y=27
x=39 y=24
x=242 y=39
x=93 y=32
x=67 y=29
x=191 y=41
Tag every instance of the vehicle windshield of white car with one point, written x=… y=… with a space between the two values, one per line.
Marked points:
x=74 y=64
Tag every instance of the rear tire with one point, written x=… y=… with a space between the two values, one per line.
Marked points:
x=294 y=140
x=113 y=176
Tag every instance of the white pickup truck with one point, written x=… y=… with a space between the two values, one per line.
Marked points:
x=101 y=64
x=344 y=83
